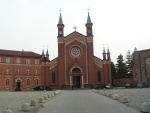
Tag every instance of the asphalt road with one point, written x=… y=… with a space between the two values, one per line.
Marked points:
x=84 y=101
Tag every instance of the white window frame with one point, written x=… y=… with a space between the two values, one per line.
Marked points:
x=36 y=72
x=36 y=82
x=7 y=71
x=27 y=61
x=8 y=60
x=7 y=82
x=18 y=61
x=28 y=72
x=18 y=71
x=36 y=61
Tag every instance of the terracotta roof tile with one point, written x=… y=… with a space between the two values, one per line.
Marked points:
x=19 y=53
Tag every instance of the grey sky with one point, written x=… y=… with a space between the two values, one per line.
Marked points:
x=30 y=24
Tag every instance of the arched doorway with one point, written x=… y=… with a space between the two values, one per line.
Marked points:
x=77 y=77
x=18 y=83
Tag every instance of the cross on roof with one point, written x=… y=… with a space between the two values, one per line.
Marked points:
x=88 y=9
x=60 y=10
x=75 y=28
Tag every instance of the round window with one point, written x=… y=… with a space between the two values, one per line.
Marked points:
x=75 y=51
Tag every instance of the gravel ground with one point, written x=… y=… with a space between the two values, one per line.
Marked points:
x=14 y=100
x=136 y=96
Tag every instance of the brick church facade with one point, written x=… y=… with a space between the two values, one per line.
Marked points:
x=75 y=64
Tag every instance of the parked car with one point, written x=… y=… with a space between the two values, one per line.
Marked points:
x=130 y=85
x=38 y=88
x=142 y=85
x=109 y=86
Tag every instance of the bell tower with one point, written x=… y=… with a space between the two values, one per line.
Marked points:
x=89 y=25
x=60 y=26
x=61 y=51
x=90 y=52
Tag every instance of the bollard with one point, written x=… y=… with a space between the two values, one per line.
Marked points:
x=125 y=99
x=7 y=111
x=99 y=92
x=33 y=102
x=102 y=92
x=41 y=100
x=146 y=107
x=55 y=93
x=109 y=95
x=105 y=94
x=49 y=96
x=45 y=97
x=25 y=107
x=52 y=95
x=116 y=97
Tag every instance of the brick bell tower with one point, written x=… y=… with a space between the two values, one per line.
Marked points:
x=61 y=53
x=90 y=54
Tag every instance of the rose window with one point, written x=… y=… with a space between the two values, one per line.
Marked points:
x=75 y=51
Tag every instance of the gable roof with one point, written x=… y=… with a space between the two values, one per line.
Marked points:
x=19 y=53
x=75 y=32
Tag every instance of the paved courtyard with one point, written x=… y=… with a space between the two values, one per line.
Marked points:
x=75 y=100
x=14 y=100
x=136 y=96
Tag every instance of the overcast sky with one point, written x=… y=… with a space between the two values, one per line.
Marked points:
x=30 y=24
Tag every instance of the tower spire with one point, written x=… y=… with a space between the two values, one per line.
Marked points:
x=60 y=20
x=43 y=52
x=89 y=25
x=108 y=54
x=60 y=26
x=89 y=19
x=104 y=54
x=47 y=54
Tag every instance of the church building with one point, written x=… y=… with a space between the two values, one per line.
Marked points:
x=75 y=65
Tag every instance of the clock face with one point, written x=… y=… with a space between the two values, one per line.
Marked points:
x=75 y=51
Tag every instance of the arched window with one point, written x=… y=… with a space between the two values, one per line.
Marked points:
x=7 y=82
x=98 y=76
x=36 y=82
x=28 y=82
x=36 y=72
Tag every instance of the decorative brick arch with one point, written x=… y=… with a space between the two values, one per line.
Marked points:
x=18 y=80
x=76 y=67
x=18 y=83
x=76 y=77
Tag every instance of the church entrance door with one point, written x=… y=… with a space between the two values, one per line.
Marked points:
x=76 y=81
x=76 y=78
x=18 y=85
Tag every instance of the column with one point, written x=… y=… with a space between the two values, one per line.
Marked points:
x=70 y=81
x=82 y=86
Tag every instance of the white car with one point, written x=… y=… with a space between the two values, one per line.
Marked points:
x=109 y=86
